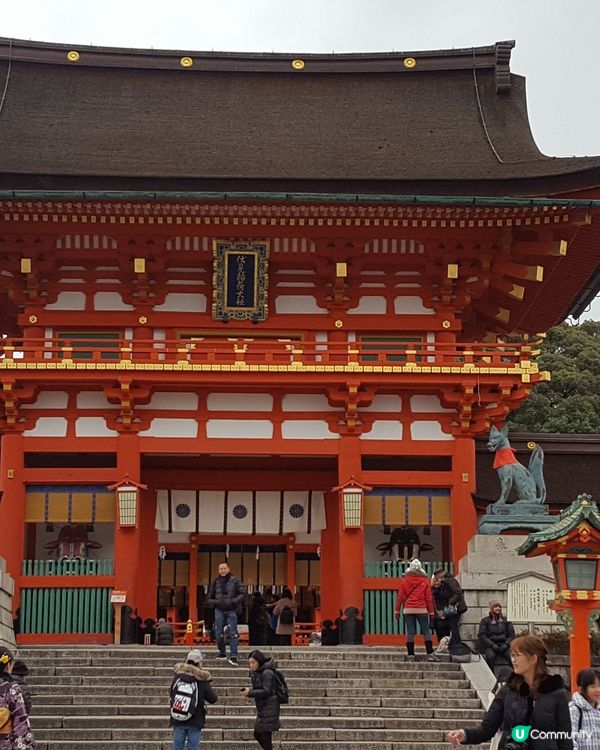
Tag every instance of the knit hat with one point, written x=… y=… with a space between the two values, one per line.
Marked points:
x=195 y=656
x=493 y=603
x=415 y=565
x=20 y=668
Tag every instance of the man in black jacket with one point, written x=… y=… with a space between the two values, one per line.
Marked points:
x=226 y=595
x=495 y=635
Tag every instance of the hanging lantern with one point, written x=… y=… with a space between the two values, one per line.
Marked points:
x=127 y=495
x=352 y=494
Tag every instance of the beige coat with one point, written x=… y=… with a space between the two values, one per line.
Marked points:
x=281 y=628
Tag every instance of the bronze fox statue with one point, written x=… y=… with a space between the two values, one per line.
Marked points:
x=528 y=483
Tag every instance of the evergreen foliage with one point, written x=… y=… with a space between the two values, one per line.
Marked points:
x=570 y=402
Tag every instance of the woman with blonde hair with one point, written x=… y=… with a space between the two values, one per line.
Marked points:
x=15 y=732
x=531 y=710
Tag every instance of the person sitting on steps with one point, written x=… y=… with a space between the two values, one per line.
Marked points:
x=495 y=635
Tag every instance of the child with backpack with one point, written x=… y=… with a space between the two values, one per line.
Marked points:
x=269 y=690
x=189 y=690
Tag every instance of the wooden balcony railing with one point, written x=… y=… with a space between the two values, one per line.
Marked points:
x=287 y=355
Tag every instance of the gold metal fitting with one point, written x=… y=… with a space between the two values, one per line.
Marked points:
x=339 y=323
x=73 y=56
x=33 y=318
x=142 y=319
x=531 y=445
x=186 y=62
x=446 y=324
x=25 y=265
x=298 y=64
x=410 y=62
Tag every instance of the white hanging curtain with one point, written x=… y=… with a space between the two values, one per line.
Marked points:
x=240 y=512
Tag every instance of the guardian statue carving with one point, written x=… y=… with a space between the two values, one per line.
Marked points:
x=528 y=483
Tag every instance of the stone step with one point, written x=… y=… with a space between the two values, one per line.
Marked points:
x=246 y=735
x=221 y=709
x=228 y=745
x=332 y=700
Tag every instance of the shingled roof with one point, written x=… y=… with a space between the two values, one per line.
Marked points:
x=448 y=122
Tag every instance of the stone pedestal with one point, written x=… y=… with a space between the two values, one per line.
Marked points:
x=518 y=515
x=489 y=561
x=7 y=587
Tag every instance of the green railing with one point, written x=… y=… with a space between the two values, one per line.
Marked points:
x=397 y=568
x=67 y=568
x=379 y=604
x=62 y=610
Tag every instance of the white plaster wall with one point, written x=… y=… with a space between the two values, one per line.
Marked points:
x=239 y=402
x=171 y=428
x=384 y=430
x=298 y=304
x=48 y=427
x=68 y=301
x=93 y=400
x=110 y=301
x=183 y=302
x=93 y=427
x=428 y=430
x=306 y=429
x=172 y=401
x=411 y=306
x=428 y=404
x=304 y=402
x=239 y=429
x=369 y=306
x=385 y=403
x=49 y=400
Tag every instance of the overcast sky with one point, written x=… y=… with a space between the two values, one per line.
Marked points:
x=558 y=49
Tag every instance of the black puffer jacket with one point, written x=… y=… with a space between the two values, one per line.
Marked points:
x=226 y=593
x=452 y=593
x=495 y=631
x=267 y=703
x=509 y=709
x=206 y=693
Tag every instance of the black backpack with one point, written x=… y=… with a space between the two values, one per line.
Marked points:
x=281 y=688
x=184 y=698
x=286 y=616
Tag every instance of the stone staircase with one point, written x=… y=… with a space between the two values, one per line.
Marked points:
x=97 y=698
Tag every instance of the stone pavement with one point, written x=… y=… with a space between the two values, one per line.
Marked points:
x=345 y=698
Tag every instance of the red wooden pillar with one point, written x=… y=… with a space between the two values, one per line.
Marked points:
x=579 y=648
x=342 y=550
x=463 y=513
x=147 y=580
x=128 y=539
x=193 y=585
x=12 y=506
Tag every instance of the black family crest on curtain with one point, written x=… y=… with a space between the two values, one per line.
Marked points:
x=240 y=280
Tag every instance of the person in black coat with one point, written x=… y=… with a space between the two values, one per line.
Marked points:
x=164 y=633
x=191 y=729
x=262 y=674
x=531 y=698
x=448 y=593
x=258 y=621
x=495 y=635
x=226 y=595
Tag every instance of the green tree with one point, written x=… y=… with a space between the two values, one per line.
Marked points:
x=570 y=402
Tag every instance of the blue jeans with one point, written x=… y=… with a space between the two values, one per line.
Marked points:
x=411 y=627
x=221 y=620
x=193 y=737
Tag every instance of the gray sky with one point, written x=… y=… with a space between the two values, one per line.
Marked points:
x=557 y=41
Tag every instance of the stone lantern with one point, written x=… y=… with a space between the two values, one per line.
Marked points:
x=573 y=545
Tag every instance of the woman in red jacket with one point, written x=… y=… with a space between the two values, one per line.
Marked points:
x=416 y=600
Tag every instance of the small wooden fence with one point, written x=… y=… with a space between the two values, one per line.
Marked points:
x=380 y=590
x=69 y=597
